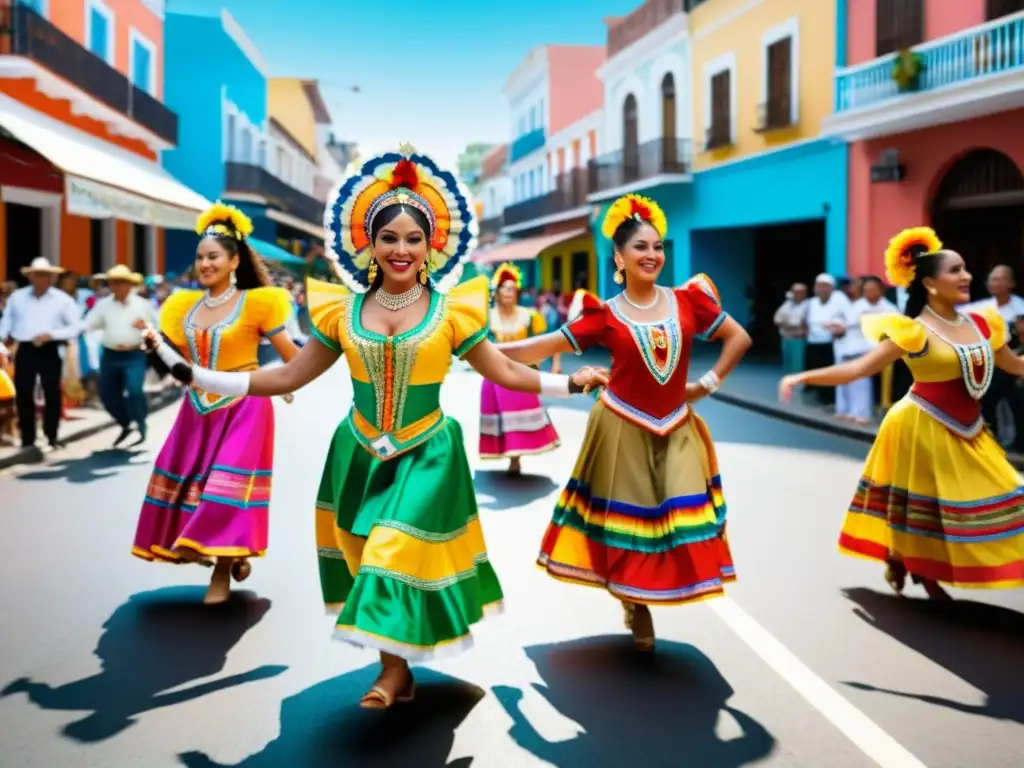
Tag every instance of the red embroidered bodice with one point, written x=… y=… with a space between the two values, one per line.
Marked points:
x=650 y=361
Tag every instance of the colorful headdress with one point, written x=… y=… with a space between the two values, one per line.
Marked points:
x=507 y=271
x=899 y=256
x=634 y=207
x=400 y=178
x=221 y=219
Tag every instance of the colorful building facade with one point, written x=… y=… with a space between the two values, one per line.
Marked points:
x=930 y=96
x=82 y=108
x=555 y=102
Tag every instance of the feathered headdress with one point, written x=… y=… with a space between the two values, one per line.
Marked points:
x=634 y=207
x=899 y=256
x=222 y=219
x=507 y=271
x=400 y=178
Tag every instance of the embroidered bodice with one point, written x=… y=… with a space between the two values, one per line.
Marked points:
x=950 y=378
x=650 y=360
x=232 y=343
x=526 y=322
x=396 y=380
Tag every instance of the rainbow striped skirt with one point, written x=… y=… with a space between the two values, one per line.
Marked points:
x=643 y=515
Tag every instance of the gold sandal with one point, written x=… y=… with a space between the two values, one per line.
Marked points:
x=644 y=642
x=379 y=699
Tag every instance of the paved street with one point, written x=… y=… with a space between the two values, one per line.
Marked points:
x=809 y=663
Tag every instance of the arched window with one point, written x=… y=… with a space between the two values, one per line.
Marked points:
x=630 y=139
x=669 y=143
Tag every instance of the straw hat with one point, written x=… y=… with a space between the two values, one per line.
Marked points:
x=40 y=264
x=119 y=272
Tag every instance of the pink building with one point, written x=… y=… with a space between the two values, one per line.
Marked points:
x=930 y=97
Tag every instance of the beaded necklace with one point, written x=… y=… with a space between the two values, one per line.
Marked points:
x=977 y=362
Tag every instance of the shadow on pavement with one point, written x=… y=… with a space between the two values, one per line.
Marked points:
x=99 y=465
x=659 y=710
x=323 y=725
x=978 y=642
x=156 y=641
x=510 y=492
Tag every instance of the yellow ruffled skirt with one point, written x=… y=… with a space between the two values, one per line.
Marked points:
x=951 y=509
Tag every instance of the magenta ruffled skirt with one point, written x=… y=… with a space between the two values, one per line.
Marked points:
x=513 y=424
x=210 y=487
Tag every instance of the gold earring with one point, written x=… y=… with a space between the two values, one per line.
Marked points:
x=371 y=272
x=234 y=278
x=423 y=274
x=618 y=278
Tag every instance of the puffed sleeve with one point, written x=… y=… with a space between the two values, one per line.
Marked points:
x=173 y=313
x=327 y=304
x=273 y=307
x=702 y=295
x=905 y=332
x=538 y=325
x=586 y=328
x=468 y=308
x=993 y=326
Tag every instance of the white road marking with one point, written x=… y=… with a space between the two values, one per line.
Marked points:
x=865 y=734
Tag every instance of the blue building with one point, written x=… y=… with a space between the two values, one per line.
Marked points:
x=229 y=148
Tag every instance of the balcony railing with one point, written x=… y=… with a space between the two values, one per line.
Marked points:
x=775 y=113
x=242 y=177
x=570 y=193
x=987 y=49
x=23 y=32
x=646 y=161
x=525 y=144
x=646 y=18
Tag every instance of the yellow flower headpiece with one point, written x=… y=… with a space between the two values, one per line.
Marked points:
x=899 y=256
x=221 y=219
x=507 y=271
x=634 y=207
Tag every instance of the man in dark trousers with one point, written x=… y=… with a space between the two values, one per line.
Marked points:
x=40 y=319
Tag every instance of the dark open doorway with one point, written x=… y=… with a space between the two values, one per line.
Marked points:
x=24 y=239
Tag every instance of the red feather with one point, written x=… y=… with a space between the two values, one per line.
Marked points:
x=404 y=174
x=639 y=209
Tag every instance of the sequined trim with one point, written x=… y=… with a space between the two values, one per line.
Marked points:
x=658 y=335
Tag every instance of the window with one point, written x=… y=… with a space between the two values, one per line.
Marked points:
x=142 y=62
x=996 y=9
x=899 y=24
x=99 y=30
x=97 y=243
x=630 y=139
x=246 y=146
x=229 y=144
x=780 y=61
x=720 y=132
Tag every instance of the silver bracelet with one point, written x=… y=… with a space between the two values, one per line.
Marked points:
x=554 y=384
x=710 y=382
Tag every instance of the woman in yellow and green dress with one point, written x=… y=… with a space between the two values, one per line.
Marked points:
x=401 y=549
x=938 y=499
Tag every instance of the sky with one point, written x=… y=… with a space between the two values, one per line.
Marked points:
x=429 y=72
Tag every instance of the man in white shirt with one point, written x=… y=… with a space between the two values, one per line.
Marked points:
x=39 y=319
x=791 y=320
x=855 y=401
x=121 y=316
x=826 y=322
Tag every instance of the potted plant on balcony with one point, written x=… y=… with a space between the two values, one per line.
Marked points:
x=907 y=69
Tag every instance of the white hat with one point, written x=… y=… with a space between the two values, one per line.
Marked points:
x=119 y=272
x=40 y=264
x=825 y=278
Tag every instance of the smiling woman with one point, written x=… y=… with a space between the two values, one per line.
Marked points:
x=401 y=549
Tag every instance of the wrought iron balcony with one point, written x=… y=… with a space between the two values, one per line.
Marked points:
x=242 y=177
x=775 y=113
x=23 y=32
x=973 y=56
x=639 y=23
x=569 y=194
x=717 y=136
x=649 y=160
x=525 y=144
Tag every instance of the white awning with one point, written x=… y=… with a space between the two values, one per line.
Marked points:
x=102 y=180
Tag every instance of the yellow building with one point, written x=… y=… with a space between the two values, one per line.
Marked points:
x=762 y=74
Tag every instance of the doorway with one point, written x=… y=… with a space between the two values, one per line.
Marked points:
x=978 y=211
x=783 y=254
x=24 y=238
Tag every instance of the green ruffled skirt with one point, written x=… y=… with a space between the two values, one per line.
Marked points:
x=402 y=555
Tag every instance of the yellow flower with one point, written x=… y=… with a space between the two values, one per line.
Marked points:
x=634 y=206
x=899 y=256
x=220 y=212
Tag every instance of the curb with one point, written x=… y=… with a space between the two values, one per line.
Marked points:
x=863 y=434
x=157 y=401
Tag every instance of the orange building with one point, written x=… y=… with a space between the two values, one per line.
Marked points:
x=83 y=126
